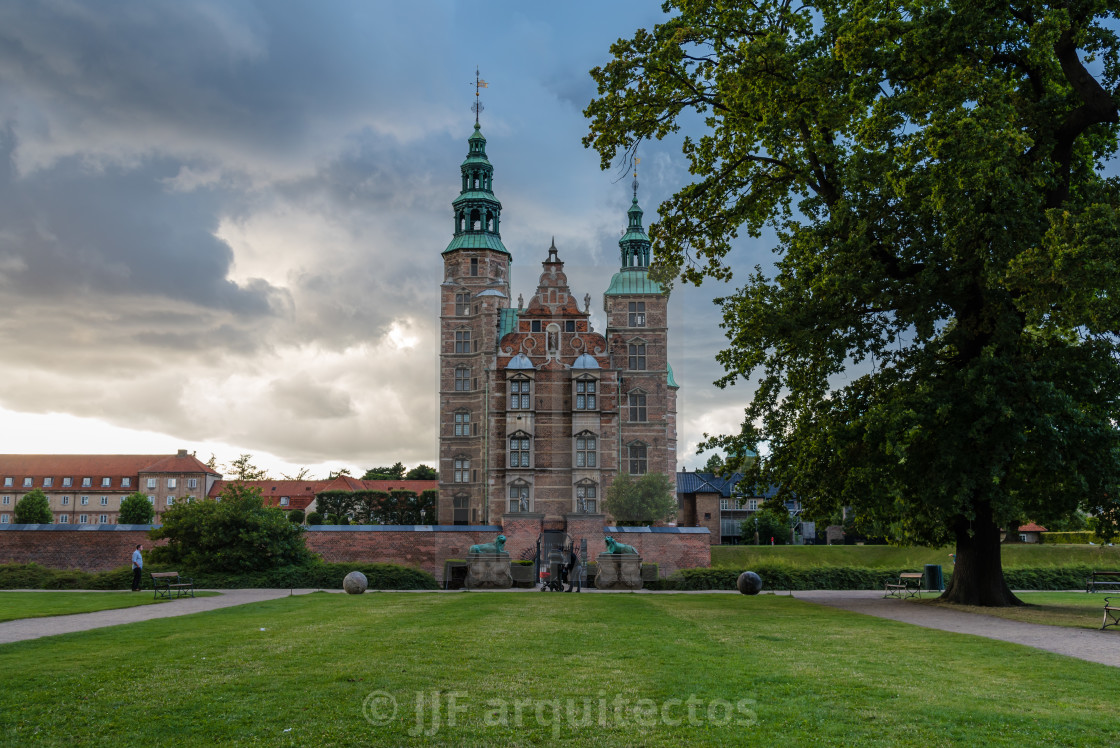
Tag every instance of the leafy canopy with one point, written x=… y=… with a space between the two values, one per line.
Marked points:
x=33 y=509
x=641 y=500
x=235 y=533
x=136 y=510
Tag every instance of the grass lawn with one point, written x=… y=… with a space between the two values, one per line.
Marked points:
x=1073 y=609
x=891 y=557
x=14 y=605
x=533 y=669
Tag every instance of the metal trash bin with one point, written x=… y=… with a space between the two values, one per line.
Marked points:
x=934 y=581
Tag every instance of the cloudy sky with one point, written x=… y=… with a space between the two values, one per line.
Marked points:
x=221 y=222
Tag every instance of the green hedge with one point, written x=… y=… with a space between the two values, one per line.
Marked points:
x=855 y=578
x=1077 y=538
x=317 y=576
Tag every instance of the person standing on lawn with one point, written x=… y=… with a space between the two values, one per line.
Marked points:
x=137 y=565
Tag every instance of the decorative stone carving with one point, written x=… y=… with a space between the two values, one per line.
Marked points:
x=488 y=571
x=355 y=583
x=619 y=571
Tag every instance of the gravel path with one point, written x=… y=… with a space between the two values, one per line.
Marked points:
x=33 y=628
x=1084 y=644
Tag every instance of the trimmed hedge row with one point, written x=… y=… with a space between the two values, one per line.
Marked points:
x=317 y=576
x=856 y=578
x=1082 y=537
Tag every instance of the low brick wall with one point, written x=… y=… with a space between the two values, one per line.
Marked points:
x=84 y=547
x=103 y=547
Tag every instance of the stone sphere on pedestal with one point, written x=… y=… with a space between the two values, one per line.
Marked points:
x=749 y=583
x=355 y=583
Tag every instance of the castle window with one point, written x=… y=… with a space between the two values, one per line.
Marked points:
x=637 y=406
x=520 y=394
x=474 y=266
x=638 y=463
x=462 y=470
x=463 y=423
x=585 y=394
x=519 y=450
x=587 y=494
x=519 y=497
x=586 y=445
x=462 y=304
x=637 y=356
x=461 y=507
x=462 y=379
x=462 y=341
x=637 y=316
x=570 y=326
x=535 y=325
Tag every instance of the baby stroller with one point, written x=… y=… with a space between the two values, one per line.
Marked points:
x=563 y=569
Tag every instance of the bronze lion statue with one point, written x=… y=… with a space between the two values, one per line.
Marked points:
x=613 y=546
x=498 y=546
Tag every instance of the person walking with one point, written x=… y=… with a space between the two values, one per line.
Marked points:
x=137 y=565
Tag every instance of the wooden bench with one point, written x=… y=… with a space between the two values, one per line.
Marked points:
x=909 y=585
x=1111 y=614
x=169 y=584
x=1102 y=579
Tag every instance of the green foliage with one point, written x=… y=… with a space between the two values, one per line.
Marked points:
x=422 y=472
x=235 y=533
x=642 y=500
x=396 y=472
x=136 y=510
x=714 y=464
x=397 y=507
x=296 y=516
x=314 y=518
x=313 y=575
x=33 y=509
x=935 y=344
x=1076 y=522
x=770 y=521
x=1078 y=537
x=243 y=469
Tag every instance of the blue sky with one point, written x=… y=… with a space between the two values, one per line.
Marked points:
x=221 y=222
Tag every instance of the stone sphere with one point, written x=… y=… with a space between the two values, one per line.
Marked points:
x=355 y=583
x=749 y=583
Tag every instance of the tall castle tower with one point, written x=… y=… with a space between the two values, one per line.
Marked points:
x=538 y=411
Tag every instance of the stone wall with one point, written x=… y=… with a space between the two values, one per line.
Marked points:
x=103 y=547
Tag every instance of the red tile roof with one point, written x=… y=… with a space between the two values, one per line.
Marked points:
x=301 y=493
x=94 y=467
x=1032 y=527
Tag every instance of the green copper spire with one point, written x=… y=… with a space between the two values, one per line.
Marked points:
x=635 y=247
x=477 y=212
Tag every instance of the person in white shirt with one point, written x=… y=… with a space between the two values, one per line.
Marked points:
x=137 y=565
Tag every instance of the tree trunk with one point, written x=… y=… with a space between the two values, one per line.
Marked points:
x=978 y=574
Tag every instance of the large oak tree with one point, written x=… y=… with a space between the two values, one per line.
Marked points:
x=936 y=344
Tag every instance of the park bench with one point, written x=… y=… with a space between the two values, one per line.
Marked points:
x=1102 y=579
x=169 y=584
x=1111 y=614
x=909 y=585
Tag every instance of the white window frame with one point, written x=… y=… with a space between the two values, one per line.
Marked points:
x=169 y=501
x=67 y=482
x=83 y=519
x=85 y=501
x=192 y=482
x=87 y=482
x=28 y=482
x=48 y=482
x=126 y=482
x=172 y=482
x=64 y=519
x=153 y=482
x=106 y=482
x=103 y=519
x=284 y=501
x=65 y=501
x=104 y=501
x=3 y=519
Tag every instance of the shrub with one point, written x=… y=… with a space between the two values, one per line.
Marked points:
x=236 y=533
x=33 y=509
x=296 y=516
x=136 y=510
x=314 y=518
x=1083 y=537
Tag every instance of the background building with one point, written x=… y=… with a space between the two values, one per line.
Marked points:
x=88 y=489
x=538 y=410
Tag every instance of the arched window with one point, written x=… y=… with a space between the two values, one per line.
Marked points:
x=476 y=219
x=462 y=423
x=637 y=404
x=462 y=379
x=637 y=458
x=587 y=450
x=519 y=496
x=519 y=450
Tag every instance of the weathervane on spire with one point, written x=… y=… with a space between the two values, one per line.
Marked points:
x=636 y=162
x=477 y=107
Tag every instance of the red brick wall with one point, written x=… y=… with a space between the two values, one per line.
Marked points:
x=100 y=550
x=88 y=550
